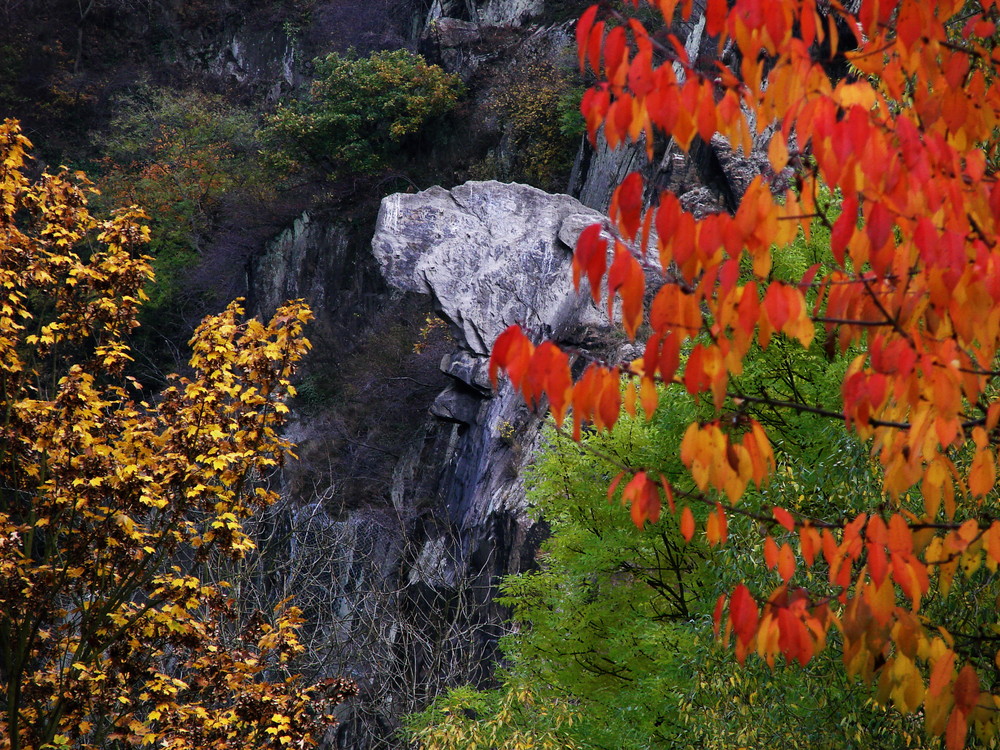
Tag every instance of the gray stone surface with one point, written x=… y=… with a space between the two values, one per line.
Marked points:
x=491 y=254
x=303 y=261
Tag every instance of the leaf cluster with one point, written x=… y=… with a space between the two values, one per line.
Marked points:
x=359 y=112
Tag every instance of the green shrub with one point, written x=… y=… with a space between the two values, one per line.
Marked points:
x=178 y=154
x=359 y=112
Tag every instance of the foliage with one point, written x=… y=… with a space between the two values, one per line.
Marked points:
x=512 y=718
x=111 y=508
x=359 y=112
x=538 y=105
x=910 y=293
x=618 y=624
x=178 y=154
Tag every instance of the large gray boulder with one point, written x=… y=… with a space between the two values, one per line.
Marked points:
x=491 y=254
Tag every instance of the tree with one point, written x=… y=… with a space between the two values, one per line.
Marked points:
x=908 y=143
x=360 y=111
x=112 y=508
x=179 y=155
x=617 y=624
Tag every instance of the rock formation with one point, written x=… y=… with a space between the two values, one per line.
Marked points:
x=491 y=254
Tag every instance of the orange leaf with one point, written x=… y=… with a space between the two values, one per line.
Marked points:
x=982 y=475
x=942 y=673
x=958 y=727
x=777 y=152
x=770 y=552
x=809 y=543
x=626 y=279
x=783 y=517
x=716 y=526
x=668 y=492
x=687 y=524
x=786 y=562
x=644 y=498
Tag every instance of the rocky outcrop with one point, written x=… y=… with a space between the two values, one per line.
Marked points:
x=265 y=56
x=301 y=263
x=488 y=12
x=491 y=255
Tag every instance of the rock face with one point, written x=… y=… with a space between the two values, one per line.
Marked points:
x=398 y=581
x=491 y=255
x=300 y=263
x=488 y=13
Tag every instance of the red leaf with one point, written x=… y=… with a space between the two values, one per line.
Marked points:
x=548 y=374
x=626 y=279
x=614 y=484
x=879 y=225
x=640 y=74
x=614 y=52
x=670 y=356
x=878 y=562
x=776 y=306
x=645 y=500
x=715 y=16
x=808 y=276
x=720 y=604
x=594 y=107
x=682 y=55
x=609 y=403
x=594 y=46
x=744 y=614
x=843 y=228
x=590 y=257
x=511 y=352
x=696 y=379
x=783 y=517
x=626 y=205
x=583 y=27
x=966 y=689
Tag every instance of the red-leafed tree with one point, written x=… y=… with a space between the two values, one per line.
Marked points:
x=908 y=143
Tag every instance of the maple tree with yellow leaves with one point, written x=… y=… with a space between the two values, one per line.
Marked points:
x=111 y=505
